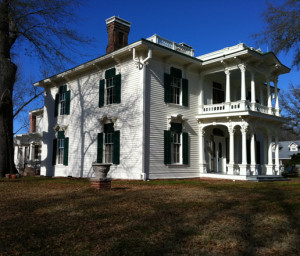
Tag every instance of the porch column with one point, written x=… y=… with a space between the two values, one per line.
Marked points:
x=231 y=131
x=270 y=157
x=243 y=81
x=201 y=150
x=277 y=111
x=277 y=165
x=227 y=72
x=253 y=153
x=253 y=98
x=269 y=97
x=243 y=167
x=201 y=94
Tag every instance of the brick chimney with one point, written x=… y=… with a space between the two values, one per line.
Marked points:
x=32 y=120
x=118 y=31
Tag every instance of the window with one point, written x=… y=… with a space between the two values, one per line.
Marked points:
x=60 y=149
x=293 y=147
x=218 y=93
x=176 y=145
x=176 y=88
x=110 y=88
x=62 y=101
x=108 y=148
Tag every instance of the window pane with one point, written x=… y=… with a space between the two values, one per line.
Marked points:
x=108 y=148
x=110 y=90
x=60 y=151
x=175 y=90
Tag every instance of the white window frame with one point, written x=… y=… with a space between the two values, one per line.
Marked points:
x=176 y=84
x=294 y=147
x=176 y=147
x=108 y=147
x=109 y=90
x=60 y=151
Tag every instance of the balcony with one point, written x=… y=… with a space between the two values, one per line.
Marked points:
x=183 y=48
x=237 y=106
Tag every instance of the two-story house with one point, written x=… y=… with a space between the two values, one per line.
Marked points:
x=153 y=111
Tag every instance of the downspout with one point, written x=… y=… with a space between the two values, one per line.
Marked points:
x=142 y=65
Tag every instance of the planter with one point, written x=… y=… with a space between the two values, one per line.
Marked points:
x=101 y=170
x=8 y=175
x=13 y=176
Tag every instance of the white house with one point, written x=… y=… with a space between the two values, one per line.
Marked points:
x=155 y=111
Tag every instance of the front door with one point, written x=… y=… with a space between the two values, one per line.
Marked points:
x=219 y=155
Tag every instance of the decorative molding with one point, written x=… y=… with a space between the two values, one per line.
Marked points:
x=106 y=119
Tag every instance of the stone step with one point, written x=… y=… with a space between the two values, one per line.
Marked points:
x=267 y=178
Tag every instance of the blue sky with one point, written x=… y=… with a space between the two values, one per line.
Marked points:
x=205 y=25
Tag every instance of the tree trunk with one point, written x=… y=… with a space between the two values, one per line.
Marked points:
x=7 y=78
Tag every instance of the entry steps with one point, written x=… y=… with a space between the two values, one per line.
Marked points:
x=268 y=178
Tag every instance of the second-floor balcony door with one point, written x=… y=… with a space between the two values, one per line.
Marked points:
x=218 y=93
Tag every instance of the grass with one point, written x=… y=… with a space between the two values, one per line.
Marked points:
x=64 y=216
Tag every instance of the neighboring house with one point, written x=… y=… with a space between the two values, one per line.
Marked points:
x=28 y=146
x=153 y=111
x=286 y=150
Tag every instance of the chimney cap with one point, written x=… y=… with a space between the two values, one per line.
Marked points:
x=119 y=20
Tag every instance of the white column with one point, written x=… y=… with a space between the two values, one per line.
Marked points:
x=269 y=97
x=253 y=153
x=243 y=81
x=201 y=94
x=270 y=158
x=277 y=165
x=231 y=131
x=277 y=111
x=253 y=97
x=227 y=72
x=243 y=166
x=201 y=150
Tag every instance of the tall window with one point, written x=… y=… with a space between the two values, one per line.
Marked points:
x=62 y=101
x=176 y=88
x=110 y=88
x=60 y=149
x=108 y=145
x=218 y=93
x=176 y=145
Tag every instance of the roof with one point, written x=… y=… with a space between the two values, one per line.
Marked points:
x=284 y=150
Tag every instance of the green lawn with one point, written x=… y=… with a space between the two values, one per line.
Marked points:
x=51 y=216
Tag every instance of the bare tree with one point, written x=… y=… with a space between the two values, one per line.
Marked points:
x=290 y=102
x=282 y=28
x=43 y=26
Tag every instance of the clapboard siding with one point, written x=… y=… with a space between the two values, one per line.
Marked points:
x=159 y=114
x=83 y=125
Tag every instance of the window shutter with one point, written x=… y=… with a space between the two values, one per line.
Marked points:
x=60 y=134
x=99 y=147
x=66 y=150
x=185 y=92
x=185 y=148
x=110 y=73
x=176 y=72
x=117 y=96
x=54 y=152
x=68 y=100
x=116 y=152
x=167 y=83
x=167 y=147
x=101 y=93
x=56 y=105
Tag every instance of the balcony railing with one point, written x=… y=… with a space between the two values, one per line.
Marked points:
x=237 y=106
x=172 y=45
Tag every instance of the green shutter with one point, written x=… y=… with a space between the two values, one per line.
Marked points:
x=116 y=153
x=185 y=92
x=101 y=93
x=54 y=152
x=68 y=100
x=99 y=147
x=66 y=150
x=117 y=92
x=62 y=89
x=167 y=83
x=176 y=72
x=110 y=73
x=167 y=147
x=56 y=105
x=60 y=134
x=185 y=148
